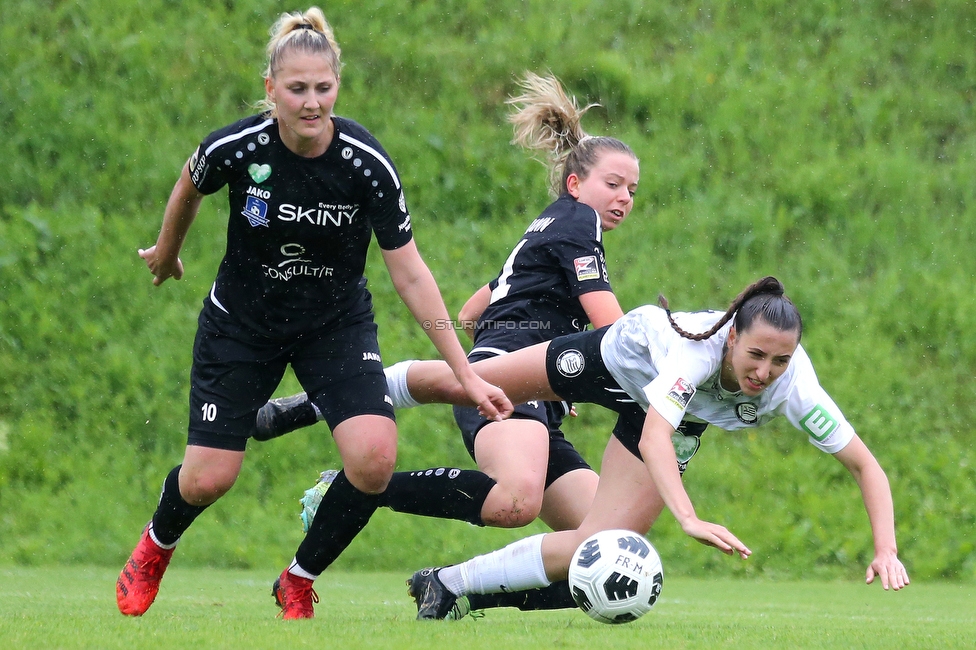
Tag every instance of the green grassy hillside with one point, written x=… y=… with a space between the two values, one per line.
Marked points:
x=830 y=143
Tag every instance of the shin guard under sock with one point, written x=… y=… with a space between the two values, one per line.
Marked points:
x=344 y=512
x=173 y=515
x=443 y=492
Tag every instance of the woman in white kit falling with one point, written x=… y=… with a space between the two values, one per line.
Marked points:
x=745 y=367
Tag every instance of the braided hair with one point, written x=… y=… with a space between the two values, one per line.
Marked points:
x=764 y=299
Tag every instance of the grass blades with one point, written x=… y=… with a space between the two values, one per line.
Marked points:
x=73 y=607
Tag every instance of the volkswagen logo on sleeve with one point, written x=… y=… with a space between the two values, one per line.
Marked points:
x=570 y=363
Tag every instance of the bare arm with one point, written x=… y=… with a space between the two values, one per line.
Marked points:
x=416 y=286
x=662 y=464
x=601 y=307
x=473 y=309
x=876 y=493
x=163 y=258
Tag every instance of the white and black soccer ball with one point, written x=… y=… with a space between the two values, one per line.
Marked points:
x=616 y=576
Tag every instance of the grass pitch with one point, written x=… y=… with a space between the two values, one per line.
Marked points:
x=72 y=607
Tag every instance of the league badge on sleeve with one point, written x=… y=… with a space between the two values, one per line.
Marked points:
x=586 y=268
x=681 y=393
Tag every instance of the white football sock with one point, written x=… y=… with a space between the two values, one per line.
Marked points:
x=296 y=570
x=396 y=383
x=516 y=567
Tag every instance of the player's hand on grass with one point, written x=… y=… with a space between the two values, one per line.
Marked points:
x=160 y=267
x=716 y=536
x=889 y=568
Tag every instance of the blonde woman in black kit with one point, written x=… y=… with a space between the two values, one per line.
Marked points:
x=307 y=190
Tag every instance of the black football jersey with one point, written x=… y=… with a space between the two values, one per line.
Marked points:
x=299 y=228
x=535 y=298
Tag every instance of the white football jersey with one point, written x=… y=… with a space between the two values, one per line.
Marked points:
x=679 y=378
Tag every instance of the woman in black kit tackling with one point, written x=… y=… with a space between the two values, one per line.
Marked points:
x=307 y=189
x=553 y=282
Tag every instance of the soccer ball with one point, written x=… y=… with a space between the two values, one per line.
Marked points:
x=616 y=576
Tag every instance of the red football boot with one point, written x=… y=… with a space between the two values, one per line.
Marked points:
x=138 y=583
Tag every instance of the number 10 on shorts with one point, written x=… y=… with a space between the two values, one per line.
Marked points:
x=209 y=412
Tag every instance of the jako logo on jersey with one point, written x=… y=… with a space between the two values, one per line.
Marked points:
x=540 y=224
x=818 y=423
x=586 y=268
x=570 y=363
x=258 y=192
x=316 y=216
x=747 y=412
x=371 y=356
x=681 y=393
x=256 y=212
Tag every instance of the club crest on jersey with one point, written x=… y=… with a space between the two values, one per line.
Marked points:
x=681 y=393
x=747 y=412
x=570 y=363
x=259 y=173
x=586 y=268
x=256 y=212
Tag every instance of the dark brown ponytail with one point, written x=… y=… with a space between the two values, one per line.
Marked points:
x=764 y=299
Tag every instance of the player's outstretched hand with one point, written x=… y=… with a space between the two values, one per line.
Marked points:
x=889 y=568
x=717 y=536
x=161 y=268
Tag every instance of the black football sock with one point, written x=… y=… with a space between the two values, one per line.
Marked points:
x=344 y=512
x=442 y=492
x=555 y=596
x=173 y=515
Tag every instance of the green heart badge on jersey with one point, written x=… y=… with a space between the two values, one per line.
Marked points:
x=259 y=173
